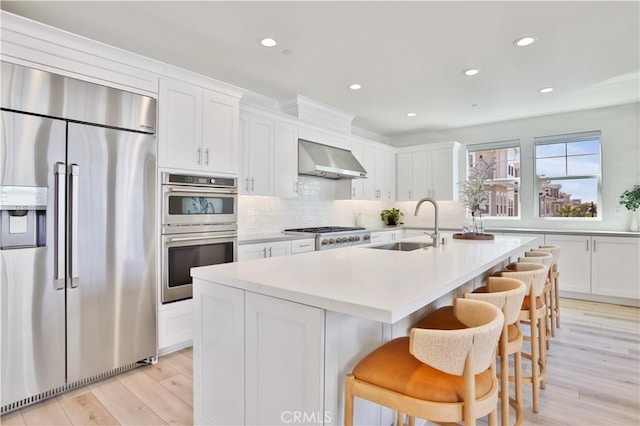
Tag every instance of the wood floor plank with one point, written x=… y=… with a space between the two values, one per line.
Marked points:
x=180 y=362
x=86 y=409
x=165 y=404
x=46 y=412
x=188 y=352
x=12 y=419
x=160 y=371
x=181 y=386
x=123 y=404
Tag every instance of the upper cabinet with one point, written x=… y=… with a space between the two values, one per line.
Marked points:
x=198 y=129
x=428 y=171
x=380 y=184
x=269 y=156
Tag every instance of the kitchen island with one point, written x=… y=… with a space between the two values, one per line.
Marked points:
x=274 y=337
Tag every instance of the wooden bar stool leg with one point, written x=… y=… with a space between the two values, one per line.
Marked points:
x=400 y=419
x=348 y=402
x=543 y=352
x=535 y=366
x=557 y=297
x=552 y=307
x=518 y=377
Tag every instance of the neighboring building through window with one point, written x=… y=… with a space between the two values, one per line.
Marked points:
x=568 y=173
x=503 y=188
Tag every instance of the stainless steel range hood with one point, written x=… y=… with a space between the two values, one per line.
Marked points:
x=325 y=161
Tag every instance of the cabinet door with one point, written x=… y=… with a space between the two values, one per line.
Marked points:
x=358 y=185
x=243 y=155
x=260 y=155
x=220 y=133
x=442 y=179
x=285 y=160
x=574 y=264
x=180 y=130
x=380 y=171
x=219 y=330
x=369 y=185
x=421 y=175
x=390 y=176
x=303 y=246
x=280 y=248
x=284 y=353
x=615 y=267
x=252 y=251
x=404 y=177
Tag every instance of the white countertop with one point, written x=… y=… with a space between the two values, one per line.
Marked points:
x=380 y=285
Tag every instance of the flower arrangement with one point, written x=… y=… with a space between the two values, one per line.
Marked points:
x=391 y=216
x=630 y=198
x=472 y=193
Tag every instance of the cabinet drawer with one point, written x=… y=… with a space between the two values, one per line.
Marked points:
x=303 y=246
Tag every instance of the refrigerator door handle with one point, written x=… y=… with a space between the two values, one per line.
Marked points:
x=73 y=229
x=59 y=276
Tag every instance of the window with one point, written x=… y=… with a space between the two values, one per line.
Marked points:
x=503 y=186
x=568 y=175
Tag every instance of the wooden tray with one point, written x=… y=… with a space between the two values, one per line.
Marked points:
x=473 y=236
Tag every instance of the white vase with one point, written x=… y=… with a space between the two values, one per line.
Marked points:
x=633 y=224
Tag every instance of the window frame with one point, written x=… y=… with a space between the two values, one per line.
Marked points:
x=517 y=181
x=566 y=139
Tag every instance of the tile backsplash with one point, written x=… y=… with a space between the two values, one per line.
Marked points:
x=316 y=206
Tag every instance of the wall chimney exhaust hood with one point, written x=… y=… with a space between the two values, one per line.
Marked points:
x=325 y=161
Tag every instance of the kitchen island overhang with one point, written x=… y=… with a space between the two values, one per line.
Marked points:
x=275 y=337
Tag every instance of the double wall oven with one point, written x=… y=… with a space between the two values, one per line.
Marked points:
x=199 y=228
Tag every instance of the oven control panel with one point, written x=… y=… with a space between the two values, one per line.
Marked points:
x=198 y=180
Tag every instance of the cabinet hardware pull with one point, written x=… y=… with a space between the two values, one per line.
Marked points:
x=409 y=194
x=264 y=252
x=199 y=150
x=253 y=184
x=594 y=245
x=73 y=176
x=353 y=191
x=270 y=253
x=206 y=156
x=61 y=172
x=587 y=245
x=246 y=184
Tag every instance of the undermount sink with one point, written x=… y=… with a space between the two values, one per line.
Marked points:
x=402 y=246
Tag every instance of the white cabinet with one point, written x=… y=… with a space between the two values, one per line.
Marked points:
x=386 y=236
x=284 y=349
x=380 y=184
x=175 y=326
x=426 y=171
x=264 y=250
x=272 y=353
x=270 y=156
x=303 y=246
x=598 y=265
x=198 y=128
x=219 y=392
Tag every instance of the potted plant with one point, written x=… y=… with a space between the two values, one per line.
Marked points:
x=630 y=199
x=473 y=194
x=391 y=216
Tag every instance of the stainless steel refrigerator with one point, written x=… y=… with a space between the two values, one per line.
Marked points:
x=78 y=237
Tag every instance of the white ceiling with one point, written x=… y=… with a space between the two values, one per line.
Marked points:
x=408 y=56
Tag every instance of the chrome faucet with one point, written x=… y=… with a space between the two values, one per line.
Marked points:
x=436 y=233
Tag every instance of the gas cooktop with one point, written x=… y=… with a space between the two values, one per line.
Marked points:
x=326 y=229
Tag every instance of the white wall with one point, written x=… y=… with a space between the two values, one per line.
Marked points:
x=620 y=127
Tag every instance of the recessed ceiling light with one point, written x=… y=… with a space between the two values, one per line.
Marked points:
x=524 y=41
x=546 y=90
x=471 y=72
x=411 y=114
x=474 y=105
x=355 y=86
x=268 y=42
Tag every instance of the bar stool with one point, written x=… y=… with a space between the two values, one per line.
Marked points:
x=439 y=375
x=555 y=289
x=507 y=294
x=546 y=259
x=533 y=310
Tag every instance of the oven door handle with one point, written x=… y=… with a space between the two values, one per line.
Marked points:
x=215 y=237
x=204 y=190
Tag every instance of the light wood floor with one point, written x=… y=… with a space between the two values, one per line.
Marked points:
x=593 y=364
